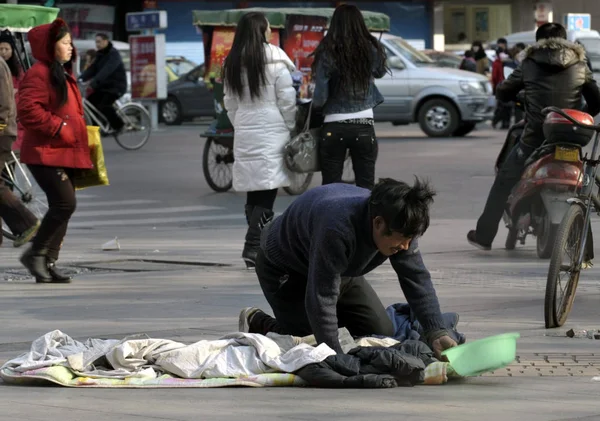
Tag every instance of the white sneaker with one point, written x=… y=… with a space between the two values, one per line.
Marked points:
x=245 y=317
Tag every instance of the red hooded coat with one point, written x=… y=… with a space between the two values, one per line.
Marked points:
x=54 y=135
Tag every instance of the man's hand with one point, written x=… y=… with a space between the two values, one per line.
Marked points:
x=440 y=344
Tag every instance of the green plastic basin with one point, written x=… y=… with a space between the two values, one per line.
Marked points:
x=484 y=355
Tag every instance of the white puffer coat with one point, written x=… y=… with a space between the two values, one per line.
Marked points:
x=262 y=127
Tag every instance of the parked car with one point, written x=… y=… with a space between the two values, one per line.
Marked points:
x=444 y=101
x=444 y=59
x=188 y=97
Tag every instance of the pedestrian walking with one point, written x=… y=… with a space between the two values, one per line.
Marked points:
x=468 y=63
x=22 y=223
x=481 y=59
x=261 y=103
x=8 y=52
x=346 y=63
x=55 y=141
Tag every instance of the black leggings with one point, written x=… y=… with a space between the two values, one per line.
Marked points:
x=262 y=198
x=59 y=189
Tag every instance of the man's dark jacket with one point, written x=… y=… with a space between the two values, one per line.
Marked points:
x=107 y=72
x=326 y=234
x=553 y=73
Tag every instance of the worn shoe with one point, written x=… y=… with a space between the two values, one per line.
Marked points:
x=57 y=276
x=246 y=318
x=472 y=239
x=35 y=263
x=27 y=235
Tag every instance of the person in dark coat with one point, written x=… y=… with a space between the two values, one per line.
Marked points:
x=312 y=259
x=553 y=73
x=468 y=63
x=108 y=80
x=55 y=140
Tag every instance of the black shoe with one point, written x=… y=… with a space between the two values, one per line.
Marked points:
x=57 y=276
x=472 y=239
x=260 y=217
x=35 y=263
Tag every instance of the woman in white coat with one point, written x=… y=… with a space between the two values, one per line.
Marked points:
x=261 y=103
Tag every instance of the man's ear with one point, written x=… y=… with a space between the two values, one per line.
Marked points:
x=378 y=223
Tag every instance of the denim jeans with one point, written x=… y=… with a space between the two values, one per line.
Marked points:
x=508 y=176
x=359 y=139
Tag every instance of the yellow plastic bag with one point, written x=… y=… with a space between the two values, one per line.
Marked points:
x=97 y=176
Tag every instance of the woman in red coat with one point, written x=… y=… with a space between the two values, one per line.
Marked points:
x=55 y=141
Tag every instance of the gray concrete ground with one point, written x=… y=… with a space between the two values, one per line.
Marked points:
x=164 y=282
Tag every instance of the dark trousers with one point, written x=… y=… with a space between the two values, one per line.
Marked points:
x=508 y=176
x=17 y=217
x=359 y=139
x=503 y=113
x=263 y=198
x=104 y=102
x=59 y=189
x=359 y=309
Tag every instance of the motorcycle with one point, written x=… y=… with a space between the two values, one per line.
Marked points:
x=552 y=174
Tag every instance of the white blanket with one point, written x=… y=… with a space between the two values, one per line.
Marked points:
x=234 y=355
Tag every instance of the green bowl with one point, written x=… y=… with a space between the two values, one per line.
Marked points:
x=484 y=355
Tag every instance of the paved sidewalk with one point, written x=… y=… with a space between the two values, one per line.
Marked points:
x=493 y=292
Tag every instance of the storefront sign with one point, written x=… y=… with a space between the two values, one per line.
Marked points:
x=222 y=40
x=542 y=13
x=148 y=73
x=578 y=21
x=304 y=33
x=139 y=21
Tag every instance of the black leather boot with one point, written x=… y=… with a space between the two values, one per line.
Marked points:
x=248 y=212
x=35 y=262
x=260 y=217
x=57 y=276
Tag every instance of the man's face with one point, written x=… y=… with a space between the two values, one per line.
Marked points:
x=388 y=243
x=101 y=43
x=503 y=46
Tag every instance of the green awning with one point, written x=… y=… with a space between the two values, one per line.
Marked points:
x=23 y=17
x=377 y=22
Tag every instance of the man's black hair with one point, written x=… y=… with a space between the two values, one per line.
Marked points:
x=404 y=208
x=521 y=46
x=550 y=30
x=103 y=36
x=469 y=53
x=501 y=41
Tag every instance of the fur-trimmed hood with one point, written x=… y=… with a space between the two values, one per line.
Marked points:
x=556 y=52
x=41 y=38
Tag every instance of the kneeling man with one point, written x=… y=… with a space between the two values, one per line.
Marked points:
x=313 y=257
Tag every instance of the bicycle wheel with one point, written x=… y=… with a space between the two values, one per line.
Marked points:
x=138 y=126
x=300 y=183
x=563 y=274
x=217 y=163
x=23 y=185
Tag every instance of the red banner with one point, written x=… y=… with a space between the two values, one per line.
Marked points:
x=222 y=40
x=143 y=67
x=304 y=33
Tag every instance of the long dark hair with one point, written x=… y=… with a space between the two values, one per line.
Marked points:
x=13 y=63
x=247 y=55
x=57 y=70
x=349 y=46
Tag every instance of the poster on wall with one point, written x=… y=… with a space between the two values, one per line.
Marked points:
x=304 y=33
x=222 y=40
x=148 y=81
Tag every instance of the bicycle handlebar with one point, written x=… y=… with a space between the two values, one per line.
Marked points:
x=557 y=110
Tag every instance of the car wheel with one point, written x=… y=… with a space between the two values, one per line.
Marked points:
x=171 y=112
x=438 y=118
x=464 y=129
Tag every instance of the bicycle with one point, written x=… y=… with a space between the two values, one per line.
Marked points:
x=18 y=178
x=136 y=119
x=574 y=239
